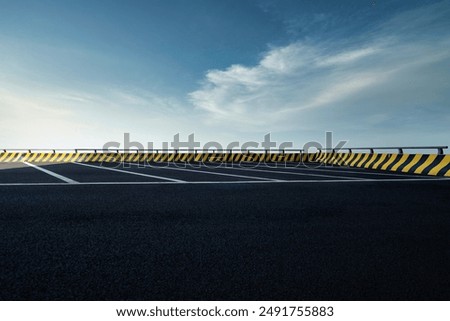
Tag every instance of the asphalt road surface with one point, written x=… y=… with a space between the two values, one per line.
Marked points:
x=125 y=232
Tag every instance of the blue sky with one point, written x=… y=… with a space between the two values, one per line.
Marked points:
x=82 y=73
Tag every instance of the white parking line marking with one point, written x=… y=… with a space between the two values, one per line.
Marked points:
x=342 y=169
x=288 y=172
x=331 y=181
x=213 y=173
x=46 y=171
x=132 y=173
x=338 y=169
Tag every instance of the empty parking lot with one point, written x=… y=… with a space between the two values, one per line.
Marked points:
x=198 y=231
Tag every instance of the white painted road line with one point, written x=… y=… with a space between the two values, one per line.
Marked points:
x=46 y=171
x=212 y=173
x=341 y=170
x=132 y=173
x=310 y=181
x=338 y=169
x=289 y=173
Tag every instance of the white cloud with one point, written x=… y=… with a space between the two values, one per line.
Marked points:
x=389 y=86
x=347 y=57
x=307 y=85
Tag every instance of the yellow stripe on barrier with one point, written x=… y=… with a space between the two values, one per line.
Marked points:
x=55 y=157
x=348 y=159
x=68 y=157
x=39 y=158
x=333 y=158
x=414 y=161
x=444 y=162
x=321 y=157
x=14 y=157
x=400 y=162
x=372 y=159
x=328 y=158
x=60 y=157
x=91 y=157
x=427 y=163
x=94 y=158
x=392 y=158
x=366 y=156
x=338 y=158
x=81 y=157
x=356 y=159
x=33 y=157
x=382 y=158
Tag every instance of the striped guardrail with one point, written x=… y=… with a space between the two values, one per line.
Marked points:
x=432 y=164
x=154 y=157
x=425 y=164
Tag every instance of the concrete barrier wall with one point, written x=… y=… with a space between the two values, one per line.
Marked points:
x=436 y=165
x=154 y=157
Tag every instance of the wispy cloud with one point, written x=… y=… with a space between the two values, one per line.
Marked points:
x=381 y=85
x=386 y=74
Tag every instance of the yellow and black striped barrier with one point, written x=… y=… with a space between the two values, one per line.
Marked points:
x=152 y=157
x=433 y=164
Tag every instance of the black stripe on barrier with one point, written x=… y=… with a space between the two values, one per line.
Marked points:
x=357 y=160
x=332 y=159
x=346 y=158
x=363 y=161
x=406 y=162
x=444 y=170
x=354 y=160
x=388 y=157
x=377 y=158
x=349 y=159
x=436 y=162
x=422 y=160
x=337 y=158
x=397 y=157
x=340 y=158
